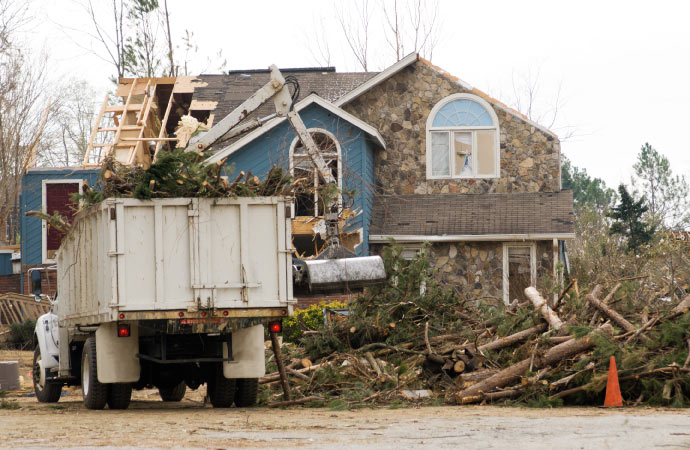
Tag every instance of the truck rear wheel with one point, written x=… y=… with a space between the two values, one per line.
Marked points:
x=221 y=390
x=95 y=393
x=46 y=392
x=246 y=392
x=173 y=393
x=119 y=395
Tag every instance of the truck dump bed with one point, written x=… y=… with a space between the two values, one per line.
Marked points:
x=153 y=258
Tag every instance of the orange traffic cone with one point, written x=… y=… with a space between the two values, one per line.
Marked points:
x=613 y=390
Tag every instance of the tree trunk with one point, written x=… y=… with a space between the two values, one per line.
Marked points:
x=512 y=373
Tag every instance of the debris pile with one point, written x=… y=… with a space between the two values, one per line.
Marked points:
x=185 y=174
x=413 y=339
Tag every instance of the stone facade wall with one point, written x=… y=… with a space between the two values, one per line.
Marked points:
x=476 y=268
x=399 y=108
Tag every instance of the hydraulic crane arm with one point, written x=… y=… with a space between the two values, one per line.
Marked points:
x=275 y=89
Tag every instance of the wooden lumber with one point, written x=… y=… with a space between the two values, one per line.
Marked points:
x=540 y=305
x=512 y=373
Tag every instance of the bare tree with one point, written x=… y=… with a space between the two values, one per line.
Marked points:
x=527 y=96
x=169 y=39
x=355 y=27
x=112 y=42
x=405 y=25
x=73 y=113
x=317 y=43
x=412 y=25
x=23 y=107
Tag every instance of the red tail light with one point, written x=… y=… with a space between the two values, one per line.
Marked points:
x=275 y=327
x=123 y=330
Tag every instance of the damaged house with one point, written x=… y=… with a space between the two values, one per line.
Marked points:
x=420 y=156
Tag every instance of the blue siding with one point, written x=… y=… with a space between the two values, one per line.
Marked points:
x=31 y=200
x=273 y=148
x=5 y=264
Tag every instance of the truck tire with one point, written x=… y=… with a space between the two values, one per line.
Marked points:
x=246 y=392
x=49 y=392
x=173 y=393
x=221 y=390
x=94 y=392
x=119 y=395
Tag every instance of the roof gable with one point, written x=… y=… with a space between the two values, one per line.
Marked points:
x=272 y=123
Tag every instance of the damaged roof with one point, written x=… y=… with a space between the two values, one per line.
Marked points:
x=232 y=89
x=528 y=215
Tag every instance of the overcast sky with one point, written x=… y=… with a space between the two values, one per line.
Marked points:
x=623 y=68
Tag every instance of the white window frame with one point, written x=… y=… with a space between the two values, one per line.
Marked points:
x=331 y=136
x=532 y=262
x=44 y=224
x=430 y=128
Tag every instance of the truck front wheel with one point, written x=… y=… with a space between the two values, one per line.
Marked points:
x=173 y=393
x=45 y=392
x=95 y=393
x=221 y=390
x=246 y=392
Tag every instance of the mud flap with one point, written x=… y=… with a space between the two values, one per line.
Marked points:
x=247 y=354
x=116 y=356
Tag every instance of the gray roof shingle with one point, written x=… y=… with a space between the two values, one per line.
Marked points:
x=232 y=89
x=474 y=214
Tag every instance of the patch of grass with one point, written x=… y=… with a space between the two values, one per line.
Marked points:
x=337 y=405
x=58 y=407
x=7 y=404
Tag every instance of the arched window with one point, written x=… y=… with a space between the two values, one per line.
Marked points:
x=462 y=139
x=301 y=166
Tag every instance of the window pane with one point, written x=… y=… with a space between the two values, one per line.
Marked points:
x=462 y=113
x=462 y=147
x=486 y=152
x=440 y=164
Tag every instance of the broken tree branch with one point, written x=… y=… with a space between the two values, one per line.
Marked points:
x=541 y=306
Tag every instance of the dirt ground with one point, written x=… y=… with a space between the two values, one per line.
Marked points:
x=150 y=423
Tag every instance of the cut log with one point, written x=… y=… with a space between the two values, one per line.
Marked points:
x=512 y=373
x=492 y=396
x=305 y=362
x=459 y=366
x=512 y=339
x=541 y=306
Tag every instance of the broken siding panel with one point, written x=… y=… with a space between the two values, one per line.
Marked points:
x=31 y=199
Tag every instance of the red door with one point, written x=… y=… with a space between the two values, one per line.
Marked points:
x=58 y=199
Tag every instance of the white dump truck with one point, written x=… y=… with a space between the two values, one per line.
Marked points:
x=171 y=293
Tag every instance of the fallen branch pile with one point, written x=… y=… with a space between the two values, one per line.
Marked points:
x=403 y=342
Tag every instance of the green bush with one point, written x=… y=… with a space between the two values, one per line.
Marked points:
x=22 y=334
x=307 y=319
